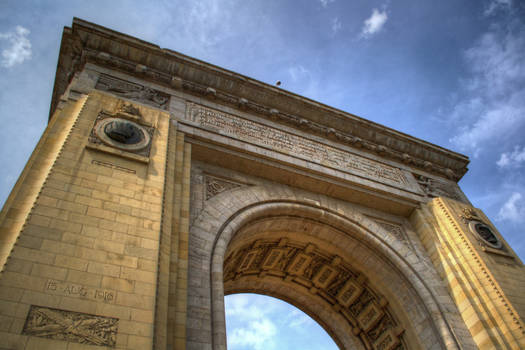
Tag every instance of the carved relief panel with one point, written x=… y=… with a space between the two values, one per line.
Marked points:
x=71 y=326
x=133 y=91
x=215 y=185
x=440 y=188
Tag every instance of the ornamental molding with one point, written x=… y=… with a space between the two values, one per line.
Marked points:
x=86 y=42
x=326 y=276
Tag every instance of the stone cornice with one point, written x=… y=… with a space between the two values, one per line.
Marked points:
x=86 y=42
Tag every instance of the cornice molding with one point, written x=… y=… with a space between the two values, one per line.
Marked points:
x=86 y=42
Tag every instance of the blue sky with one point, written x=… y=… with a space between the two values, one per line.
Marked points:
x=450 y=72
x=261 y=322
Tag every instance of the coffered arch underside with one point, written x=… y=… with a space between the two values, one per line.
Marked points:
x=387 y=285
x=291 y=258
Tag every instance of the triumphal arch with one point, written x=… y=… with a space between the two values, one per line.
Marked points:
x=163 y=183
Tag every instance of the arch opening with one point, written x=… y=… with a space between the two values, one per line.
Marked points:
x=256 y=321
x=332 y=233
x=294 y=259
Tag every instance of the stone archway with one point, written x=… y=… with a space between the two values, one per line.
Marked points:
x=341 y=239
x=297 y=267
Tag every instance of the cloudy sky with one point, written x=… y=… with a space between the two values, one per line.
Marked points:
x=450 y=72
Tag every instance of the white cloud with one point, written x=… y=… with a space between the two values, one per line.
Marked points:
x=495 y=5
x=513 y=209
x=493 y=108
x=306 y=80
x=298 y=72
x=374 y=23
x=336 y=25
x=255 y=328
x=492 y=124
x=325 y=3
x=512 y=159
x=16 y=47
x=244 y=307
x=257 y=334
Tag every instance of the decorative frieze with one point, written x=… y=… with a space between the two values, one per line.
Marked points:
x=133 y=91
x=439 y=188
x=294 y=145
x=71 y=326
x=327 y=276
x=382 y=142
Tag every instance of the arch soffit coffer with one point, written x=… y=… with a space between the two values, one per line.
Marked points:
x=314 y=276
x=222 y=218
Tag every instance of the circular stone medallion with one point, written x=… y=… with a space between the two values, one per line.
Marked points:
x=123 y=134
x=485 y=233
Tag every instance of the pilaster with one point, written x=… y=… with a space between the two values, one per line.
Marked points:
x=482 y=279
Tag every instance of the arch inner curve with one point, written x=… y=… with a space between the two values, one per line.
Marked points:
x=334 y=231
x=291 y=259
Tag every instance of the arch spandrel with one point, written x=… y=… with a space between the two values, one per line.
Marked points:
x=423 y=318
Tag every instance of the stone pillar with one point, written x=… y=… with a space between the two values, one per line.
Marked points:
x=86 y=220
x=484 y=276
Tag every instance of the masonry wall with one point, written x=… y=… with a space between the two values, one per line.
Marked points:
x=486 y=284
x=83 y=227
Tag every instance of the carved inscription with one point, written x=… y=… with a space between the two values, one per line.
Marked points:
x=294 y=145
x=71 y=326
x=113 y=166
x=77 y=290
